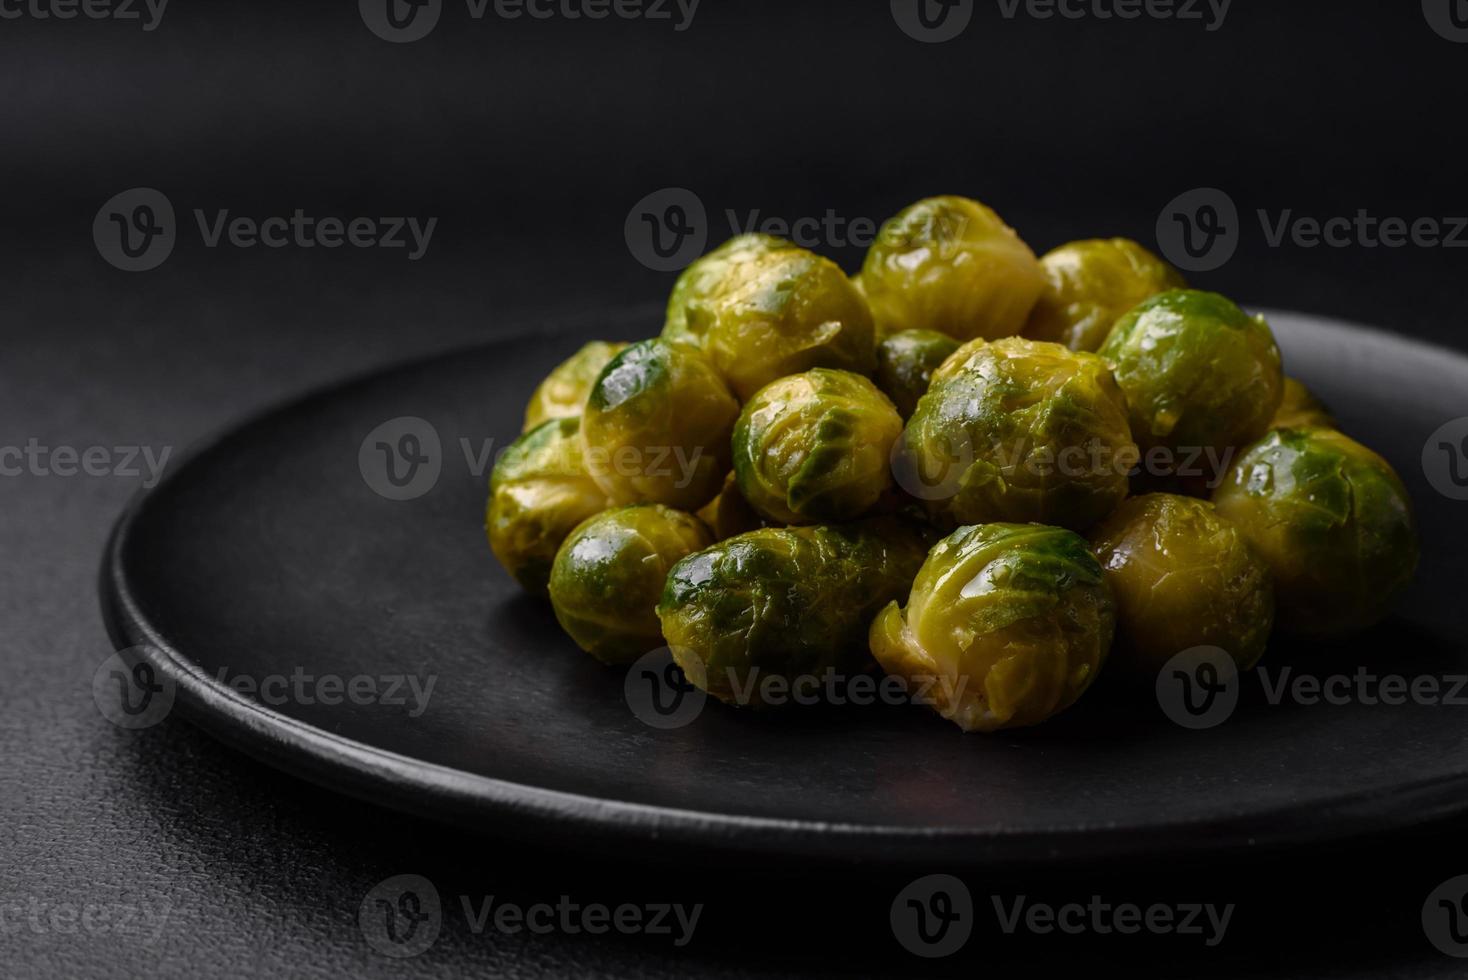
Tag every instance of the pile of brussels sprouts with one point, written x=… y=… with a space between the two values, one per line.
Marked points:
x=955 y=466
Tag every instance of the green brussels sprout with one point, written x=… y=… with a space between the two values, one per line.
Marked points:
x=1090 y=284
x=563 y=392
x=539 y=491
x=1333 y=522
x=1197 y=371
x=785 y=603
x=815 y=447
x=906 y=361
x=1007 y=625
x=657 y=426
x=704 y=277
x=609 y=575
x=952 y=265
x=779 y=312
x=1183 y=577
x=1300 y=409
x=729 y=513
x=1018 y=430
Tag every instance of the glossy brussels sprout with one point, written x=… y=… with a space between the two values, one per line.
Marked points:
x=906 y=361
x=1299 y=409
x=609 y=575
x=952 y=265
x=1007 y=625
x=539 y=491
x=705 y=276
x=1197 y=371
x=785 y=603
x=780 y=312
x=815 y=447
x=657 y=426
x=1183 y=577
x=563 y=392
x=1090 y=284
x=1018 y=430
x=1333 y=522
x=729 y=513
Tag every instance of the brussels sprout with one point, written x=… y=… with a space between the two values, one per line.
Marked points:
x=1300 y=409
x=1197 y=371
x=1183 y=577
x=1018 y=430
x=815 y=447
x=657 y=426
x=563 y=392
x=539 y=491
x=952 y=265
x=609 y=574
x=1090 y=284
x=785 y=603
x=1007 y=625
x=906 y=361
x=701 y=279
x=729 y=513
x=781 y=311
x=1333 y=522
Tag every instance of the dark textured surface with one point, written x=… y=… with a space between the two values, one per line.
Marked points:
x=530 y=141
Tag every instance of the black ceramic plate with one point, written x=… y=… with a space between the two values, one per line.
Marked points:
x=268 y=554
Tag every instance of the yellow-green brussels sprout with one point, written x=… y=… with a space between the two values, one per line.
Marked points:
x=1007 y=625
x=815 y=447
x=563 y=392
x=779 y=604
x=1183 y=577
x=539 y=491
x=1019 y=430
x=1333 y=522
x=1197 y=371
x=952 y=265
x=705 y=276
x=729 y=513
x=1090 y=284
x=609 y=575
x=1300 y=409
x=781 y=311
x=906 y=361
x=657 y=426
